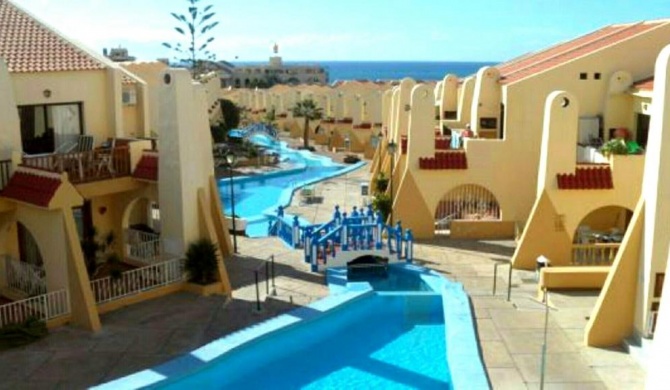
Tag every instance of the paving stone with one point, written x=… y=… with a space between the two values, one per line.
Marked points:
x=505 y=379
x=496 y=355
x=521 y=341
x=560 y=368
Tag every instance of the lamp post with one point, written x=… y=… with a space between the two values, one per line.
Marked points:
x=232 y=160
x=391 y=148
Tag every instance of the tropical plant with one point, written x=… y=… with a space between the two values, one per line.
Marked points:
x=381 y=183
x=308 y=110
x=195 y=28
x=614 y=146
x=99 y=251
x=381 y=203
x=230 y=113
x=16 y=335
x=201 y=262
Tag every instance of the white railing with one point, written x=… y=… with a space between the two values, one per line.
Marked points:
x=594 y=254
x=143 y=246
x=25 y=277
x=138 y=280
x=42 y=307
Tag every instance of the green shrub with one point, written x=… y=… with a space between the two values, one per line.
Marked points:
x=382 y=204
x=381 y=182
x=16 y=335
x=201 y=262
x=615 y=146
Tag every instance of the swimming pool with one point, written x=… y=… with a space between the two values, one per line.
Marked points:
x=354 y=338
x=259 y=195
x=381 y=341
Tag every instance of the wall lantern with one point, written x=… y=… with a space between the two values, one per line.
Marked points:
x=46 y=93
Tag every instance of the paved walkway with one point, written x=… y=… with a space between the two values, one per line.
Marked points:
x=510 y=333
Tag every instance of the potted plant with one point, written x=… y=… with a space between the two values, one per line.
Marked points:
x=202 y=267
x=614 y=147
x=382 y=204
x=381 y=182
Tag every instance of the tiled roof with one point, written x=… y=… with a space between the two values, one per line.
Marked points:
x=27 y=45
x=528 y=65
x=599 y=178
x=32 y=186
x=645 y=84
x=147 y=167
x=450 y=160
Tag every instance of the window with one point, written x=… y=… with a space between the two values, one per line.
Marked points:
x=50 y=128
x=583 y=76
x=450 y=115
x=596 y=76
x=129 y=97
x=488 y=123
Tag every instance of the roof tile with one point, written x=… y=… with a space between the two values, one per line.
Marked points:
x=27 y=45
x=32 y=186
x=147 y=167
x=554 y=56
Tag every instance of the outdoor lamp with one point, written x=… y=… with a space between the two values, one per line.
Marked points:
x=231 y=159
x=391 y=147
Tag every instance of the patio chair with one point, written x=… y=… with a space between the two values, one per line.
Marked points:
x=105 y=157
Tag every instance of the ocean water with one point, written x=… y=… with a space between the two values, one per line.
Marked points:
x=390 y=70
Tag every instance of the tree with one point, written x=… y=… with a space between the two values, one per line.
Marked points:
x=307 y=109
x=231 y=114
x=196 y=28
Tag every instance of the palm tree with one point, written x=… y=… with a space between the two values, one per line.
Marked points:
x=310 y=111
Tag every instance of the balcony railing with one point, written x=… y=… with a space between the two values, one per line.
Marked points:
x=42 y=307
x=138 y=280
x=143 y=246
x=85 y=167
x=27 y=278
x=594 y=254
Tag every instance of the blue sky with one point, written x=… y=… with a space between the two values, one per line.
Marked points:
x=384 y=30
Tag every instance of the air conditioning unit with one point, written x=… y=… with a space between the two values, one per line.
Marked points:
x=129 y=97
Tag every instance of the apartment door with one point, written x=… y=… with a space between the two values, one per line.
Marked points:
x=642 y=130
x=29 y=252
x=48 y=128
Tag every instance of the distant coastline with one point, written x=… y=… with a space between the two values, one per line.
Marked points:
x=390 y=70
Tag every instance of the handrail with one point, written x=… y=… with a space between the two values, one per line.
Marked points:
x=594 y=254
x=269 y=265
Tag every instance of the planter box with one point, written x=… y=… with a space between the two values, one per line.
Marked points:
x=204 y=290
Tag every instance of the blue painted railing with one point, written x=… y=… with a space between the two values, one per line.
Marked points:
x=363 y=230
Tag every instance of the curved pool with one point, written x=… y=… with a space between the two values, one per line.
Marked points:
x=259 y=195
x=356 y=338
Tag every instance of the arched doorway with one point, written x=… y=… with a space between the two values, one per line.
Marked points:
x=465 y=202
x=598 y=236
x=26 y=275
x=141 y=231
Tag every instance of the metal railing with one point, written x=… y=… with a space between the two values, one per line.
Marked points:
x=468 y=202
x=42 y=307
x=269 y=266
x=594 y=254
x=84 y=167
x=143 y=246
x=24 y=277
x=138 y=280
x=5 y=172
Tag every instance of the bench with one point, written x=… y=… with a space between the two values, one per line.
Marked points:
x=573 y=277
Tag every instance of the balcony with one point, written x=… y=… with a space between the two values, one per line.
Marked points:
x=85 y=167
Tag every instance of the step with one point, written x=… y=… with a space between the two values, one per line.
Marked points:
x=639 y=349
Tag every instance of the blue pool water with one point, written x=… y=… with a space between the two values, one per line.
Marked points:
x=394 y=279
x=259 y=195
x=382 y=341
